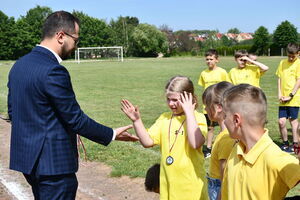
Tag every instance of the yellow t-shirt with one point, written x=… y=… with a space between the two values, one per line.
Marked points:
x=265 y=172
x=289 y=73
x=210 y=77
x=249 y=74
x=221 y=150
x=185 y=178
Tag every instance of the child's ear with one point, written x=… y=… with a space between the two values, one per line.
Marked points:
x=237 y=120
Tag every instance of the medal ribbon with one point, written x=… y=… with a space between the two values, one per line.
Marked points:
x=176 y=133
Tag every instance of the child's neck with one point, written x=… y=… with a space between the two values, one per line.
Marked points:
x=213 y=68
x=250 y=136
x=178 y=114
x=222 y=125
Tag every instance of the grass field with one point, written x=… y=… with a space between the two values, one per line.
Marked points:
x=100 y=86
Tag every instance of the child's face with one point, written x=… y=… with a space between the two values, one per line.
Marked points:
x=173 y=102
x=214 y=112
x=292 y=57
x=211 y=61
x=241 y=62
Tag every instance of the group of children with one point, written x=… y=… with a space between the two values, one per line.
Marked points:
x=245 y=163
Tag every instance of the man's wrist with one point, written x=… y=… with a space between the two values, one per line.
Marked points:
x=291 y=95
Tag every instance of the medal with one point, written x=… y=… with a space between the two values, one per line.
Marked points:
x=169 y=160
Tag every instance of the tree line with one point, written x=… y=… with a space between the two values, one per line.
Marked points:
x=18 y=37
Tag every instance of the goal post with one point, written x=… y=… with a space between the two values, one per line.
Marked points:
x=85 y=54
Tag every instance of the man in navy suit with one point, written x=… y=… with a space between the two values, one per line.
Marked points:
x=46 y=116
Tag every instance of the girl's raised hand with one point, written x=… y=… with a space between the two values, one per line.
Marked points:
x=186 y=102
x=130 y=110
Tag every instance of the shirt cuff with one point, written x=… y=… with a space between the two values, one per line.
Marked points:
x=114 y=135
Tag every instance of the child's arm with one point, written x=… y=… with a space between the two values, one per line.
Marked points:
x=262 y=67
x=195 y=137
x=280 y=97
x=222 y=163
x=293 y=92
x=133 y=114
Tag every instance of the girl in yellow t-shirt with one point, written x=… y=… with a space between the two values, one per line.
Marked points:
x=180 y=134
x=212 y=99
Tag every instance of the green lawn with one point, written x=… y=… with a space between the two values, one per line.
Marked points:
x=100 y=86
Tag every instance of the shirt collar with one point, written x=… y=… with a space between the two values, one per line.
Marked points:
x=256 y=150
x=55 y=54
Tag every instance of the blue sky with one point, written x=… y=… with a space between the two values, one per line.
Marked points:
x=246 y=15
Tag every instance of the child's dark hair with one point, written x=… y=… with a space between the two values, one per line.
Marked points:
x=212 y=52
x=152 y=178
x=292 y=48
x=240 y=53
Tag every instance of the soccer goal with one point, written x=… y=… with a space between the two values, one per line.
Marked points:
x=91 y=54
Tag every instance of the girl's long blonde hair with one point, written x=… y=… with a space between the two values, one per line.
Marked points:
x=180 y=84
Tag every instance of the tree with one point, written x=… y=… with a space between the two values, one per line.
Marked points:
x=28 y=29
x=6 y=36
x=148 y=41
x=234 y=30
x=261 y=40
x=34 y=19
x=184 y=43
x=284 y=34
x=122 y=30
x=226 y=42
x=93 y=32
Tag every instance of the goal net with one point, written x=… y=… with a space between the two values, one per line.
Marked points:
x=85 y=54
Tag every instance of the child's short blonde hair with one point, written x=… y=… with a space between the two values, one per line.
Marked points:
x=249 y=101
x=180 y=84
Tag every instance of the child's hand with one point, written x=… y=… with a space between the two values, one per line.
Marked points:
x=186 y=102
x=246 y=58
x=131 y=111
x=285 y=99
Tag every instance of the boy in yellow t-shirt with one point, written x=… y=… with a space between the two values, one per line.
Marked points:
x=256 y=168
x=210 y=76
x=248 y=70
x=288 y=73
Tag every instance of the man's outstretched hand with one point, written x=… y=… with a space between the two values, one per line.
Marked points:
x=123 y=135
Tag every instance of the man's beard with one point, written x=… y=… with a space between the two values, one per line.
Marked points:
x=65 y=53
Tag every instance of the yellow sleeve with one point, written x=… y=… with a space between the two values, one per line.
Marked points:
x=155 y=130
x=289 y=170
x=298 y=70
x=201 y=81
x=230 y=76
x=226 y=144
x=278 y=71
x=201 y=120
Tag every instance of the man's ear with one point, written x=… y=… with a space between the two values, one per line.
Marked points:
x=60 y=37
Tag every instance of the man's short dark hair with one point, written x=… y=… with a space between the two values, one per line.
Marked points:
x=59 y=21
x=292 y=48
x=212 y=52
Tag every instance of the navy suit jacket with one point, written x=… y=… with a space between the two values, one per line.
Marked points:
x=46 y=117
